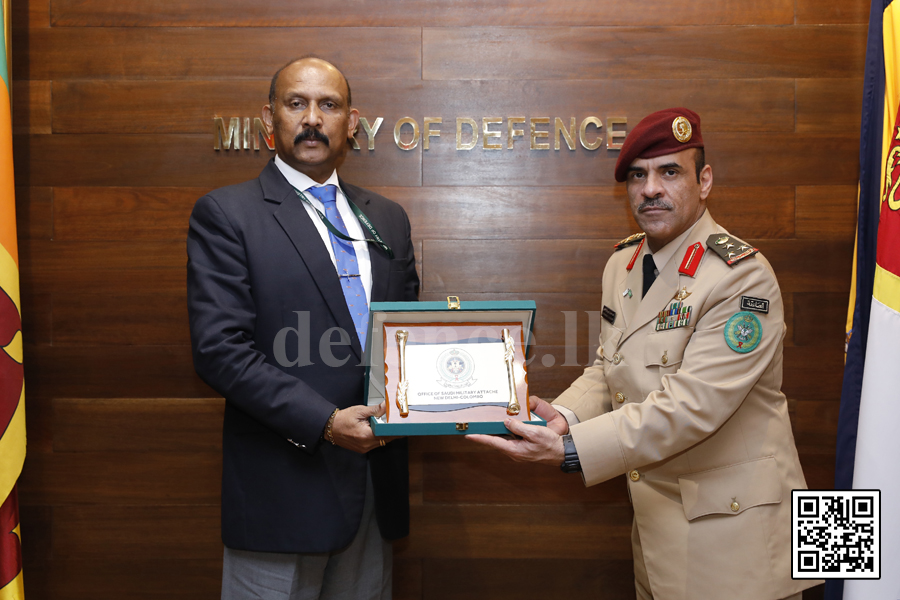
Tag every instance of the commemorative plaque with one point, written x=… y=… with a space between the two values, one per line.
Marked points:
x=449 y=368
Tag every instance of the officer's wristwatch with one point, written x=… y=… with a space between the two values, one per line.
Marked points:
x=570 y=463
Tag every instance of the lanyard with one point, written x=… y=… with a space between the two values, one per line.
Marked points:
x=359 y=215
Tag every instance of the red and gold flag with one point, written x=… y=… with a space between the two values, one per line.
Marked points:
x=12 y=381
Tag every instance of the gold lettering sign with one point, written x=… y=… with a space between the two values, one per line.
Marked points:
x=428 y=132
x=239 y=137
x=513 y=131
x=488 y=134
x=242 y=133
x=460 y=121
x=583 y=131
x=535 y=134
x=415 y=139
x=371 y=130
x=615 y=137
x=568 y=134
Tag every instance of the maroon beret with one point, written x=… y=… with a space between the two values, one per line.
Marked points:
x=664 y=132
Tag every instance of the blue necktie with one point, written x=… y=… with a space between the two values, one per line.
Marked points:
x=347 y=265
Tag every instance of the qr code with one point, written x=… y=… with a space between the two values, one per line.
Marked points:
x=836 y=534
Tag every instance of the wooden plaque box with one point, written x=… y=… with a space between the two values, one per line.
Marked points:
x=449 y=368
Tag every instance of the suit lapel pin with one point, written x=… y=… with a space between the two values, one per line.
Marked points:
x=627 y=293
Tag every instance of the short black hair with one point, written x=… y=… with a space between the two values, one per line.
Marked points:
x=699 y=161
x=274 y=82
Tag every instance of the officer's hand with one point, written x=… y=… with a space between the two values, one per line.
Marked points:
x=538 y=444
x=351 y=429
x=545 y=410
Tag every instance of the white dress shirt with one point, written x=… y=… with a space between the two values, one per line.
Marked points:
x=354 y=228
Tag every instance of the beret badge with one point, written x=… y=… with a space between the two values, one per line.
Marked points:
x=681 y=129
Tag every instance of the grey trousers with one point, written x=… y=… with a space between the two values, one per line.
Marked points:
x=361 y=571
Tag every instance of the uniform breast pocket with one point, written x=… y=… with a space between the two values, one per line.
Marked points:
x=609 y=342
x=666 y=349
x=730 y=490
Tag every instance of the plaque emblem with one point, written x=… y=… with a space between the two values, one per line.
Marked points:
x=681 y=128
x=743 y=332
x=455 y=367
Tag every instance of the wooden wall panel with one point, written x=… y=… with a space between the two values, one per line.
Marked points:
x=820 y=318
x=502 y=579
x=180 y=160
x=738 y=159
x=489 y=478
x=113 y=115
x=120 y=214
x=137 y=579
x=829 y=105
x=822 y=266
x=484 y=266
x=33 y=14
x=156 y=214
x=64 y=256
x=556 y=265
x=136 y=478
x=31 y=106
x=108 y=371
x=574 y=212
x=34 y=212
x=144 y=317
x=138 y=532
x=38 y=418
x=566 y=531
x=831 y=11
x=137 y=425
x=815 y=424
x=394 y=13
x=84 y=53
x=813 y=372
x=572 y=53
x=186 y=106
x=49 y=278
x=826 y=212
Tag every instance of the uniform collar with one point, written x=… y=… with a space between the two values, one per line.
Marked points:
x=665 y=254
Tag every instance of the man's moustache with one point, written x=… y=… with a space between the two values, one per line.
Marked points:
x=311 y=134
x=654 y=203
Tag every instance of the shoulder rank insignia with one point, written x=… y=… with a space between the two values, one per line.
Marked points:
x=730 y=248
x=631 y=239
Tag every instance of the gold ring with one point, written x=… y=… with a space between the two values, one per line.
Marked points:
x=381 y=443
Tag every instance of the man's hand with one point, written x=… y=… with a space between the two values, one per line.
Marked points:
x=545 y=410
x=538 y=444
x=351 y=429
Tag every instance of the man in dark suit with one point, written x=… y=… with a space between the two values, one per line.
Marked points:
x=280 y=273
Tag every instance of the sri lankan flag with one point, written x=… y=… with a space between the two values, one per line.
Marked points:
x=868 y=449
x=12 y=387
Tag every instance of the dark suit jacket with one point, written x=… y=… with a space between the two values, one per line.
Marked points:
x=263 y=299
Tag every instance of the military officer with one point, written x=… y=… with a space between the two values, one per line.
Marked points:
x=684 y=396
